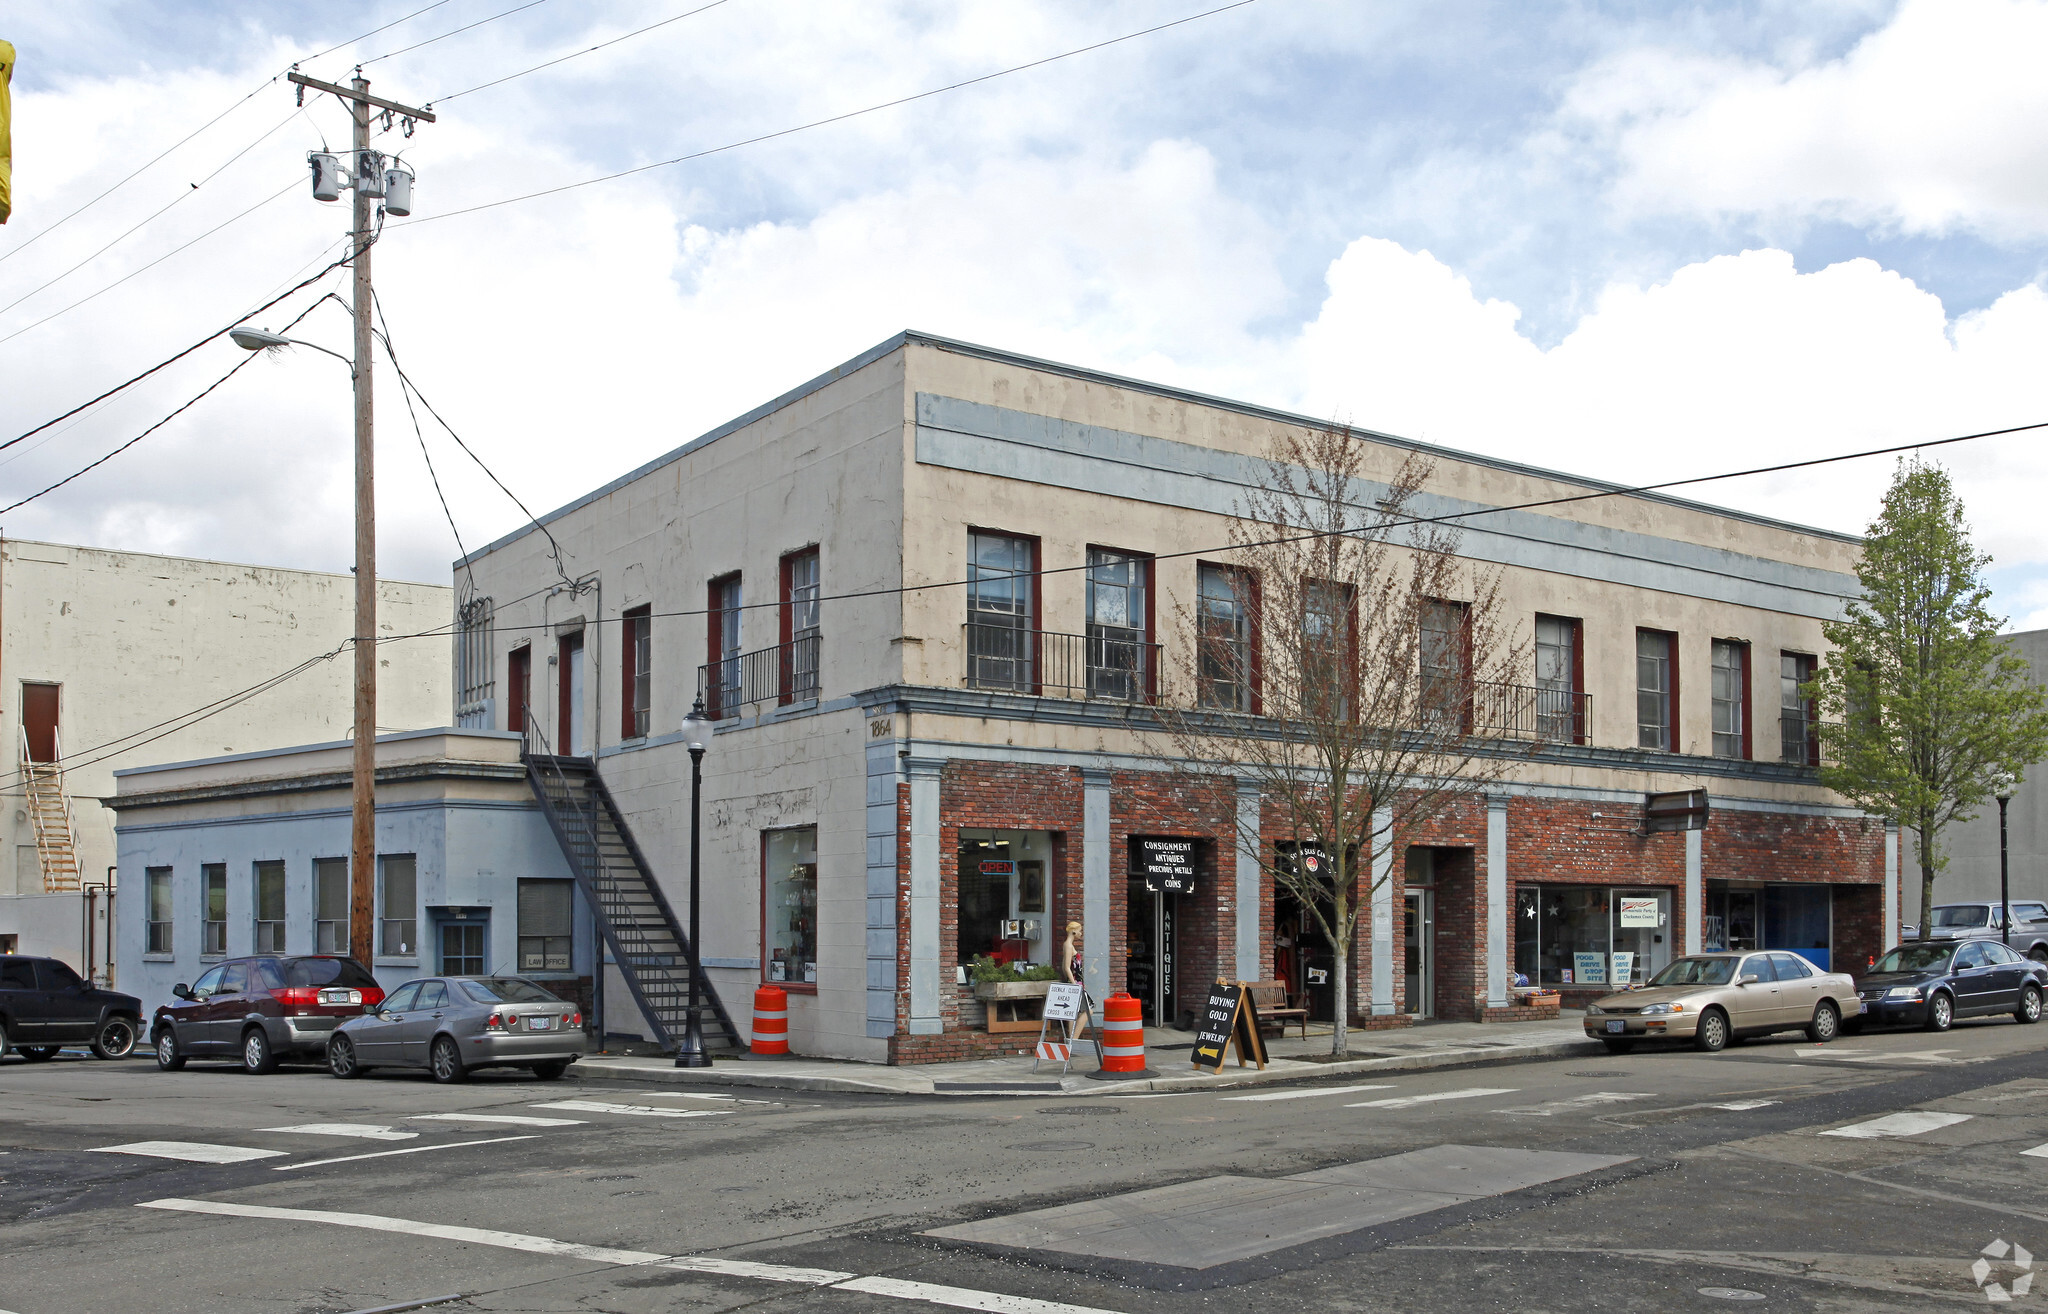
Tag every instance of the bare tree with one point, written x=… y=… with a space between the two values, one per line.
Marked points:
x=1355 y=667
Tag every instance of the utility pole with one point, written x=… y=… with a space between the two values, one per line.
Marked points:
x=368 y=175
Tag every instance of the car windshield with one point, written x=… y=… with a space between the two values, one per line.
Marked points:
x=1962 y=914
x=1915 y=958
x=328 y=971
x=1696 y=971
x=508 y=990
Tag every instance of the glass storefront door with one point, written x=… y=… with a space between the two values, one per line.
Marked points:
x=1148 y=970
x=1418 y=937
x=1642 y=932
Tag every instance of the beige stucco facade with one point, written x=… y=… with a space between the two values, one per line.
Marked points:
x=885 y=465
x=142 y=648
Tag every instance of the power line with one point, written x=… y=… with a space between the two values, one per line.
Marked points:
x=372 y=32
x=819 y=123
x=578 y=54
x=1449 y=516
x=389 y=54
x=152 y=428
x=273 y=197
x=176 y=200
x=171 y=360
x=405 y=387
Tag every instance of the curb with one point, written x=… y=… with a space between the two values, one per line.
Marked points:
x=657 y=1073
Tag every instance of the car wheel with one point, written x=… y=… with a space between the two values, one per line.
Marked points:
x=341 y=1058
x=2039 y=953
x=1712 y=1035
x=257 y=1056
x=168 y=1059
x=1941 y=1012
x=2030 y=1005
x=552 y=1071
x=3 y=1041
x=1826 y=1024
x=116 y=1038
x=446 y=1061
x=39 y=1053
x=1613 y=1047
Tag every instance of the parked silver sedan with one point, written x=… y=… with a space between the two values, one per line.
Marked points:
x=451 y=1025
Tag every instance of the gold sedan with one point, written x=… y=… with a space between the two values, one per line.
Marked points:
x=1712 y=999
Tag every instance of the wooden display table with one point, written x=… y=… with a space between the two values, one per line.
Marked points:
x=1024 y=1000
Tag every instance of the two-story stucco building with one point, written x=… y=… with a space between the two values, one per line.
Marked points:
x=893 y=584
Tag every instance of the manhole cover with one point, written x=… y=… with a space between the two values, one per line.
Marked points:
x=1612 y=1074
x=1731 y=1293
x=1057 y=1147
x=1081 y=1110
x=616 y=1177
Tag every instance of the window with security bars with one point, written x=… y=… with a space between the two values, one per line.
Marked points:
x=1557 y=680
x=546 y=909
x=158 y=940
x=269 y=908
x=1656 y=689
x=330 y=905
x=1795 y=711
x=1001 y=579
x=1225 y=660
x=213 y=890
x=1119 y=624
x=800 y=591
x=473 y=663
x=1731 y=698
x=722 y=625
x=636 y=678
x=398 y=899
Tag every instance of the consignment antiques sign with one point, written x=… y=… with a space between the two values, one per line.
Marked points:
x=1166 y=865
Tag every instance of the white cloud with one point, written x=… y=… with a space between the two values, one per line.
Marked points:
x=1935 y=123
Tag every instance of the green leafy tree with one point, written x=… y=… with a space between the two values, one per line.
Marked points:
x=1923 y=707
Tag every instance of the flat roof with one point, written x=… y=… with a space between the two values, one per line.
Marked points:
x=912 y=336
x=257 y=755
x=10 y=541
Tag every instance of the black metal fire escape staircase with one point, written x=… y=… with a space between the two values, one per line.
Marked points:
x=648 y=945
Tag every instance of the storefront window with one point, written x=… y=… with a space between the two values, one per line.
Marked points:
x=791 y=929
x=1003 y=880
x=546 y=925
x=1567 y=935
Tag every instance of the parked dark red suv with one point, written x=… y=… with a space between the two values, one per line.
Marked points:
x=261 y=1010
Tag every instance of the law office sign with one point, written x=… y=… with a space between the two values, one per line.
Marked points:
x=1167 y=865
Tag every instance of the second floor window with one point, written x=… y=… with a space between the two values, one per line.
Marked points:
x=1656 y=690
x=1225 y=678
x=1557 y=680
x=1731 y=698
x=800 y=592
x=1001 y=606
x=636 y=675
x=518 y=687
x=1445 y=660
x=1795 y=713
x=1119 y=624
x=473 y=662
x=1328 y=637
x=722 y=623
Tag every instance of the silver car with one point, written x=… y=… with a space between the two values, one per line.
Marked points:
x=451 y=1025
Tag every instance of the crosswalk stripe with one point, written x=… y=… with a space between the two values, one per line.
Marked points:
x=510 y=1119
x=190 y=1151
x=1594 y=1099
x=361 y=1130
x=1305 y=1094
x=1878 y=1055
x=638 y=1110
x=988 y=1302
x=1742 y=1106
x=386 y=1154
x=1910 y=1123
x=1406 y=1101
x=2038 y=1152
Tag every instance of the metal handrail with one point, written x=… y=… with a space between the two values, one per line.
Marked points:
x=785 y=673
x=1526 y=711
x=1107 y=664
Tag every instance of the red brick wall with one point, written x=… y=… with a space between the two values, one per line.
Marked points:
x=1460 y=938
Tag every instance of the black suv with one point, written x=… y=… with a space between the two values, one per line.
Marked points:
x=44 y=1006
x=259 y=1010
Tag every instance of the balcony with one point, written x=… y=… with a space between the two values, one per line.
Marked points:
x=786 y=673
x=1109 y=665
x=1524 y=711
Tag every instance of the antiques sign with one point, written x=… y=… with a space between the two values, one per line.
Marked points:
x=1167 y=865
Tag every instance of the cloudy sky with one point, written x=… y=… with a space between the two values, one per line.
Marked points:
x=1638 y=241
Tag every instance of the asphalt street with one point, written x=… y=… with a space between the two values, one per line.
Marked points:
x=1869 y=1174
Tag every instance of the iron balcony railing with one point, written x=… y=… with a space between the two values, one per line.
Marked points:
x=1524 y=711
x=786 y=673
x=1109 y=664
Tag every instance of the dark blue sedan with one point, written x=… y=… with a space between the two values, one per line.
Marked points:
x=1931 y=983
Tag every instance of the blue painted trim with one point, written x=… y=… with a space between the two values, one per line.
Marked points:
x=325 y=814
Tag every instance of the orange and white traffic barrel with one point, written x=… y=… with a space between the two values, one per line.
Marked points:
x=1123 y=1037
x=771 y=1020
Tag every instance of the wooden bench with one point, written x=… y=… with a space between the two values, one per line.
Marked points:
x=1270 y=997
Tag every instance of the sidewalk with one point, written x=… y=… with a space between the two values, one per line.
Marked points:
x=1167 y=1052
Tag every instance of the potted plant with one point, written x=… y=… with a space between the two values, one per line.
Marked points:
x=994 y=980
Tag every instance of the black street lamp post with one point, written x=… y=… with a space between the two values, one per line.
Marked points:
x=697 y=730
x=2005 y=790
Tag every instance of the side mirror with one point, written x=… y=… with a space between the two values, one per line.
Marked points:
x=181 y=991
x=1748 y=978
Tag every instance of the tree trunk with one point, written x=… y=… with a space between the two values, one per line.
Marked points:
x=1340 y=1031
x=1926 y=895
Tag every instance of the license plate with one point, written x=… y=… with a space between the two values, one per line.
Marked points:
x=1617 y=1025
x=540 y=1024
x=341 y=997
